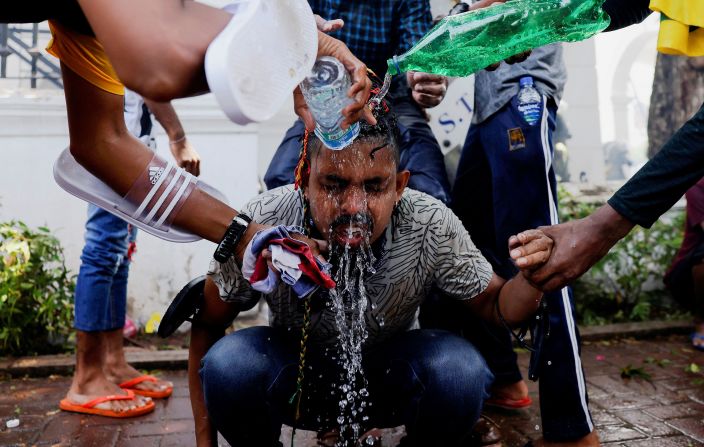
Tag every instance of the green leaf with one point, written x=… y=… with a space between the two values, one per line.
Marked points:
x=629 y=372
x=692 y=368
x=664 y=362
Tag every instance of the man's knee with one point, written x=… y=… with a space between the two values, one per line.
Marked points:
x=455 y=363
x=236 y=362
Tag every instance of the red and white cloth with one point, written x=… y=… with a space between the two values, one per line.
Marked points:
x=293 y=259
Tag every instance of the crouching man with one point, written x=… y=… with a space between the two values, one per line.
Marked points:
x=351 y=358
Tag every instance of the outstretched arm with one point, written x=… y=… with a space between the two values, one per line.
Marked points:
x=517 y=299
x=102 y=144
x=185 y=155
x=645 y=197
x=214 y=316
x=579 y=244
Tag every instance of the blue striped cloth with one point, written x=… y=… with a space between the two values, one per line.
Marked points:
x=375 y=30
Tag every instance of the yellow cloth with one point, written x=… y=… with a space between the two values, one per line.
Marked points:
x=681 y=26
x=85 y=56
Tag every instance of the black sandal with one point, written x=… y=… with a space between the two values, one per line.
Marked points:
x=184 y=307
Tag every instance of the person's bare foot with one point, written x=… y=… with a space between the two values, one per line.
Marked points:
x=513 y=391
x=89 y=380
x=120 y=373
x=591 y=440
x=87 y=387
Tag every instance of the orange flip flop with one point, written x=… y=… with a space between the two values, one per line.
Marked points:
x=89 y=407
x=509 y=404
x=130 y=385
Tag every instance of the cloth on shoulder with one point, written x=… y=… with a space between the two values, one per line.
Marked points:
x=681 y=27
x=84 y=55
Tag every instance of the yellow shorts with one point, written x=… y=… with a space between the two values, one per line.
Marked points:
x=85 y=56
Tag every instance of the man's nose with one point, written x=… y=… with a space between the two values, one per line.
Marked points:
x=354 y=201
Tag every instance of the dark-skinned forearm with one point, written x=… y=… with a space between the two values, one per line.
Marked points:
x=165 y=113
x=517 y=301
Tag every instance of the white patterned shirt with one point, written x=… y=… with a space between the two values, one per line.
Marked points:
x=425 y=244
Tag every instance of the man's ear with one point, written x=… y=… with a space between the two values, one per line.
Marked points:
x=402 y=178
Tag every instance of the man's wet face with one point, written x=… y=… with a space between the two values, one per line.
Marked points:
x=352 y=192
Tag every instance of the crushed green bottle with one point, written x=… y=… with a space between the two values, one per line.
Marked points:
x=462 y=44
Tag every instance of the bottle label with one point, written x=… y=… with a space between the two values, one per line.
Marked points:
x=337 y=138
x=530 y=112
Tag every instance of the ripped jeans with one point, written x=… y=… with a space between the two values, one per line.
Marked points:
x=101 y=287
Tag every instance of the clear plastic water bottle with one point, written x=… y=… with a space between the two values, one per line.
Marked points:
x=530 y=102
x=325 y=92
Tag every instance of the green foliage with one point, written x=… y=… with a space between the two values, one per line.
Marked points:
x=631 y=372
x=36 y=291
x=692 y=368
x=626 y=285
x=662 y=363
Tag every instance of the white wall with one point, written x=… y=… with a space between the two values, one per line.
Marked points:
x=607 y=91
x=32 y=133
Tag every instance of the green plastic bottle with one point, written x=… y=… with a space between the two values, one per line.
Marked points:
x=462 y=44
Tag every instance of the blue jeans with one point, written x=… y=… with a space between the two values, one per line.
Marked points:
x=101 y=287
x=432 y=382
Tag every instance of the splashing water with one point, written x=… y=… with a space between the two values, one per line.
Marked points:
x=349 y=304
x=375 y=100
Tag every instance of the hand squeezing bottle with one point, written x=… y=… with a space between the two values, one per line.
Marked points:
x=325 y=92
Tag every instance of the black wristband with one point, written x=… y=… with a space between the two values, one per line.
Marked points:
x=233 y=234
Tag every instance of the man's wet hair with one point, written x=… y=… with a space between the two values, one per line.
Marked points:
x=384 y=135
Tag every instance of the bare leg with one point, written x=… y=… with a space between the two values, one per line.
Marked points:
x=513 y=391
x=101 y=143
x=116 y=368
x=89 y=380
x=171 y=61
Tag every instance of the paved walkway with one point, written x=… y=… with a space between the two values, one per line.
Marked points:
x=666 y=411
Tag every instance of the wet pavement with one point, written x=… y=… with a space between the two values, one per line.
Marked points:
x=661 y=406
